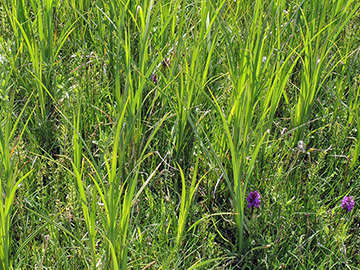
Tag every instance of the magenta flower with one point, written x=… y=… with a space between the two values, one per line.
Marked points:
x=166 y=63
x=253 y=199
x=154 y=78
x=348 y=203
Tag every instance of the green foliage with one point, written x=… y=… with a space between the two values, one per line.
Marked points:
x=131 y=133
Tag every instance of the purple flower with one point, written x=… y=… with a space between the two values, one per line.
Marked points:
x=154 y=78
x=348 y=203
x=253 y=199
x=166 y=63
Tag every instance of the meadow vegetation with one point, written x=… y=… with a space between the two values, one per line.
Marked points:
x=132 y=133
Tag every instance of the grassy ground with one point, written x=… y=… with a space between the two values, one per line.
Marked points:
x=132 y=133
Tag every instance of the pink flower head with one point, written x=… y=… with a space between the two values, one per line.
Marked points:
x=253 y=199
x=348 y=203
x=154 y=78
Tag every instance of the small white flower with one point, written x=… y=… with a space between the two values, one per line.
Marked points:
x=301 y=146
x=2 y=59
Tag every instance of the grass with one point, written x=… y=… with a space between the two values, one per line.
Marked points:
x=132 y=132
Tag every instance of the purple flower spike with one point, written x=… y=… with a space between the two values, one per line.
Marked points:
x=154 y=78
x=348 y=203
x=253 y=199
x=166 y=63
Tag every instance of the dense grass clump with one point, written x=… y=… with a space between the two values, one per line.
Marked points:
x=179 y=134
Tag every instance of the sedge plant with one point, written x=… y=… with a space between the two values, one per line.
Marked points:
x=11 y=175
x=115 y=179
x=318 y=37
x=38 y=40
x=255 y=95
